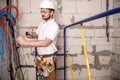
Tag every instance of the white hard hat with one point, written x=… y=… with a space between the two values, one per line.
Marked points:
x=47 y=4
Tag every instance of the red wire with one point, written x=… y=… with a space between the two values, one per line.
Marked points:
x=6 y=34
x=2 y=24
x=12 y=6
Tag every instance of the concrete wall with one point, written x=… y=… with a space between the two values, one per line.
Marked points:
x=116 y=57
x=100 y=51
x=103 y=55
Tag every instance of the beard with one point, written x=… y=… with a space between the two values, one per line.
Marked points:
x=46 y=17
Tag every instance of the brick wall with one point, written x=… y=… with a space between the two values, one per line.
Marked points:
x=100 y=51
x=116 y=57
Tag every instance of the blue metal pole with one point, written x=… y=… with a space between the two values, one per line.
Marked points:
x=36 y=66
x=103 y=14
x=64 y=53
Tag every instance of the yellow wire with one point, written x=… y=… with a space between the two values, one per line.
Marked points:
x=69 y=63
x=85 y=54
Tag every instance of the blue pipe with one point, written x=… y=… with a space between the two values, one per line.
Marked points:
x=106 y=13
x=103 y=14
x=6 y=13
x=36 y=66
x=64 y=53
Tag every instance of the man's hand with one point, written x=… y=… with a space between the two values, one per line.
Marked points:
x=21 y=40
x=29 y=34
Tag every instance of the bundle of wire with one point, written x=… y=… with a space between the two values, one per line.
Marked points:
x=7 y=36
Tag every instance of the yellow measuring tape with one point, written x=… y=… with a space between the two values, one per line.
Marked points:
x=85 y=54
x=69 y=63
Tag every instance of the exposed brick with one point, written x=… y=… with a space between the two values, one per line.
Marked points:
x=24 y=6
x=81 y=16
x=116 y=32
x=74 y=49
x=111 y=4
x=105 y=47
x=89 y=48
x=101 y=41
x=102 y=72
x=23 y=30
x=60 y=61
x=97 y=22
x=111 y=21
x=100 y=32
x=104 y=60
x=60 y=42
x=74 y=32
x=117 y=49
x=67 y=8
x=89 y=32
x=81 y=60
x=103 y=5
x=31 y=76
x=118 y=41
x=78 y=60
x=102 y=78
x=27 y=20
x=61 y=34
x=88 y=6
x=83 y=73
x=34 y=6
x=63 y=19
x=60 y=75
x=74 y=41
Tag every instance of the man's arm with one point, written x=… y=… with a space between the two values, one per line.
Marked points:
x=39 y=43
x=31 y=35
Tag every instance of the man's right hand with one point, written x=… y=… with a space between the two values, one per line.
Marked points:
x=29 y=35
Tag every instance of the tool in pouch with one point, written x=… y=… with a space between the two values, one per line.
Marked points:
x=45 y=65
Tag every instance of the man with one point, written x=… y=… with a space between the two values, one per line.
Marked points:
x=47 y=34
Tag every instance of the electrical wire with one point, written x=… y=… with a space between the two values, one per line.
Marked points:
x=14 y=60
x=9 y=15
x=12 y=7
x=1 y=44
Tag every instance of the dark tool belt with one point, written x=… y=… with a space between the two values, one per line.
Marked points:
x=47 y=55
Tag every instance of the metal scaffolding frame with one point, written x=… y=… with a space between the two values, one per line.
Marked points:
x=100 y=15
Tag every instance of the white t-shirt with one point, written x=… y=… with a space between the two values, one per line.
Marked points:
x=49 y=29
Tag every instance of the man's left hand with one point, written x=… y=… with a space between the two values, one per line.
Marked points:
x=21 y=40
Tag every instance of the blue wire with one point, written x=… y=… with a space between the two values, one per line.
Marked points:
x=7 y=13
x=1 y=44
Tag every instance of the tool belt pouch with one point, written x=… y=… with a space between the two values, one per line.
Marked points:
x=45 y=65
